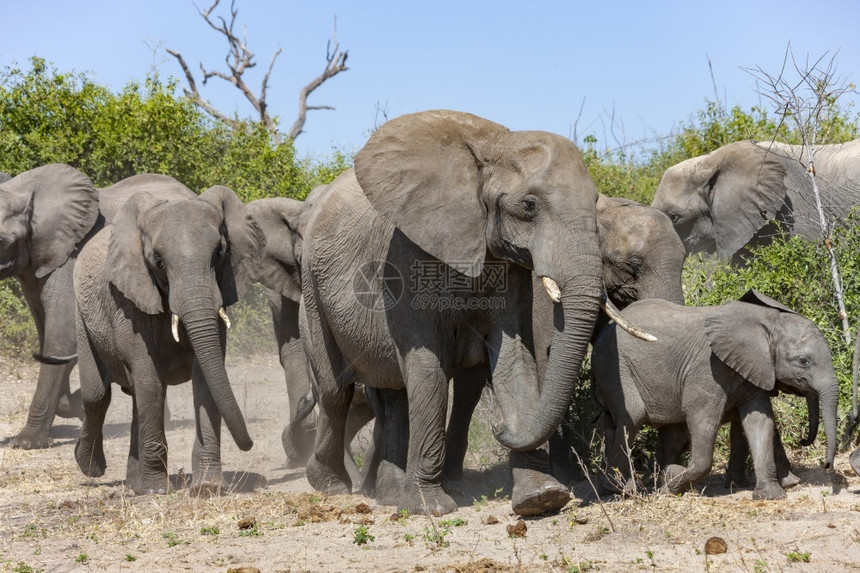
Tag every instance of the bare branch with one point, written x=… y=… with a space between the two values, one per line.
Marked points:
x=335 y=63
x=239 y=59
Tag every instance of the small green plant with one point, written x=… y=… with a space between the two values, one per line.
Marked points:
x=798 y=557
x=408 y=537
x=129 y=557
x=210 y=530
x=435 y=536
x=361 y=536
x=760 y=566
x=544 y=556
x=172 y=539
x=453 y=522
x=253 y=531
x=82 y=558
x=22 y=567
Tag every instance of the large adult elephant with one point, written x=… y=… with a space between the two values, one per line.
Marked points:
x=728 y=199
x=707 y=363
x=47 y=215
x=149 y=291
x=420 y=258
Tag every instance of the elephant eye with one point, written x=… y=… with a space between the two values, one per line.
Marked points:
x=674 y=217
x=159 y=262
x=804 y=362
x=529 y=207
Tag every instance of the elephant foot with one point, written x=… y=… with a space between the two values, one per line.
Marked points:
x=326 y=480
x=675 y=479
x=206 y=479
x=206 y=488
x=153 y=485
x=298 y=445
x=537 y=493
x=788 y=481
x=427 y=499
x=90 y=458
x=736 y=480
x=71 y=406
x=768 y=490
x=29 y=439
x=391 y=484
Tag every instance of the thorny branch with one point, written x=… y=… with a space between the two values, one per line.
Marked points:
x=239 y=59
x=804 y=101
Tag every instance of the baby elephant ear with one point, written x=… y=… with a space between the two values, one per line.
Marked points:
x=422 y=172
x=282 y=221
x=245 y=240
x=739 y=335
x=125 y=266
x=752 y=296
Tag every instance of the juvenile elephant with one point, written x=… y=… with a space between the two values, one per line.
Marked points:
x=709 y=362
x=149 y=291
x=283 y=222
x=419 y=260
x=47 y=215
x=728 y=199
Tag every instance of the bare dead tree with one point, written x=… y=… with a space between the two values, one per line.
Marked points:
x=804 y=100
x=239 y=59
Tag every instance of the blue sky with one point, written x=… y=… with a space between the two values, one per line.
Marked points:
x=527 y=64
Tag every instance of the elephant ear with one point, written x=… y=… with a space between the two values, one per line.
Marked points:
x=752 y=296
x=739 y=335
x=283 y=222
x=126 y=265
x=745 y=187
x=422 y=172
x=65 y=206
x=245 y=242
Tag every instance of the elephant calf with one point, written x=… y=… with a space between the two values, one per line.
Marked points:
x=706 y=363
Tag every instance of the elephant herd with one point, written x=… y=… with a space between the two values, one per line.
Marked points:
x=453 y=250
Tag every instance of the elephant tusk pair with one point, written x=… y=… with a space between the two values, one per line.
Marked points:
x=174 y=323
x=554 y=292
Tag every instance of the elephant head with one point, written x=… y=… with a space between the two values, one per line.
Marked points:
x=189 y=258
x=467 y=190
x=719 y=201
x=642 y=254
x=44 y=214
x=772 y=346
x=283 y=222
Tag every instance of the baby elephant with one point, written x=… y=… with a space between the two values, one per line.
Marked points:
x=708 y=362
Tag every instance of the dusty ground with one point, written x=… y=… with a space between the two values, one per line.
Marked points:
x=53 y=518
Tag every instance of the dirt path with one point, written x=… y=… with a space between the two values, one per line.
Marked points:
x=53 y=518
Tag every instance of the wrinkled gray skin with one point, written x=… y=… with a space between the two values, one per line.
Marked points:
x=708 y=362
x=642 y=258
x=188 y=257
x=47 y=214
x=726 y=200
x=430 y=190
x=283 y=222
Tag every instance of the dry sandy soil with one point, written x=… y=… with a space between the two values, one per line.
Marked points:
x=53 y=518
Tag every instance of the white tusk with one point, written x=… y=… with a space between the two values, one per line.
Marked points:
x=612 y=312
x=223 y=314
x=551 y=289
x=174 y=327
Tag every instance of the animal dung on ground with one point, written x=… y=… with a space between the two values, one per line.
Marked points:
x=715 y=546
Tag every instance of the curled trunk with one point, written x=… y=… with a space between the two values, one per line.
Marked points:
x=201 y=324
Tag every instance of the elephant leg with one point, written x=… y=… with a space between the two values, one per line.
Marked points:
x=703 y=437
x=96 y=397
x=757 y=418
x=146 y=471
x=673 y=441
x=390 y=484
x=535 y=490
x=786 y=477
x=739 y=451
x=360 y=413
x=206 y=453
x=53 y=310
x=427 y=391
x=468 y=385
x=619 y=437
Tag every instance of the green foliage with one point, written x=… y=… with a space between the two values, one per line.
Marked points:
x=362 y=536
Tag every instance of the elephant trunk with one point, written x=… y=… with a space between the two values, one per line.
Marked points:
x=534 y=422
x=199 y=315
x=829 y=398
x=812 y=406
